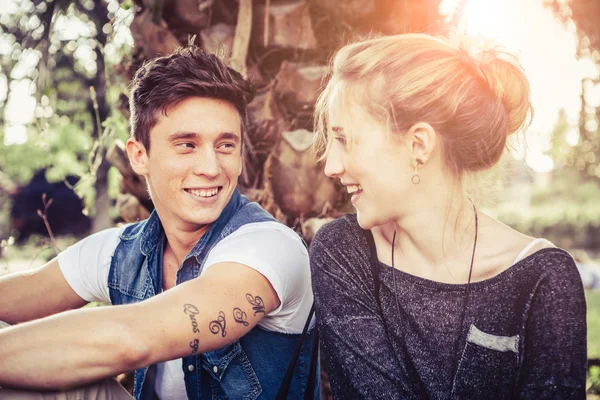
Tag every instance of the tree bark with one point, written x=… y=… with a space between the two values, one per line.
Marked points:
x=100 y=112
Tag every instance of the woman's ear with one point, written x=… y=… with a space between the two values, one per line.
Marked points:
x=422 y=141
x=138 y=157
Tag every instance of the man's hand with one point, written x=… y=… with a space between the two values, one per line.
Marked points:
x=83 y=346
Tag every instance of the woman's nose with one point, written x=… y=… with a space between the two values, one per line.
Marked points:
x=333 y=163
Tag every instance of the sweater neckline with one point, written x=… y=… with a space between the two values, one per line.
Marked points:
x=478 y=285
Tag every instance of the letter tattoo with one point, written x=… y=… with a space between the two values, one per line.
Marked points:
x=257 y=303
x=194 y=346
x=191 y=311
x=218 y=325
x=240 y=316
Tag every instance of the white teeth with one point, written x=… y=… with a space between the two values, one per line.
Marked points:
x=353 y=188
x=204 y=192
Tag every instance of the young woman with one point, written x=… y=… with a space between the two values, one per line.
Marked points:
x=446 y=302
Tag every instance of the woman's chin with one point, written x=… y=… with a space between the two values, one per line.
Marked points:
x=369 y=221
x=364 y=220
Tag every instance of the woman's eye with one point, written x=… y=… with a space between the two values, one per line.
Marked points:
x=341 y=139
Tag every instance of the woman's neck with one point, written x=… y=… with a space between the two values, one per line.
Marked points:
x=435 y=239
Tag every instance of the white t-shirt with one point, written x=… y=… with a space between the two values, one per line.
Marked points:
x=270 y=248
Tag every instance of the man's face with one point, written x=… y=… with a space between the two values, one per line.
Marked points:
x=194 y=162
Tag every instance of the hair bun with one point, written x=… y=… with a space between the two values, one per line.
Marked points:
x=506 y=78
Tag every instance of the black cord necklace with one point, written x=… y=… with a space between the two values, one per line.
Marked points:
x=467 y=291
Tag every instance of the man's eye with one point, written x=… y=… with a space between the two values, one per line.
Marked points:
x=186 y=145
x=227 y=146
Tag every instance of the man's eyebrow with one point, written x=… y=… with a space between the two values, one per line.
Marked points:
x=183 y=135
x=230 y=136
x=195 y=136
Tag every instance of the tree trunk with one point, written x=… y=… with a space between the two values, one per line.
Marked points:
x=100 y=111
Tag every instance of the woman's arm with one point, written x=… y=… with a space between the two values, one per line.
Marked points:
x=554 y=364
x=360 y=359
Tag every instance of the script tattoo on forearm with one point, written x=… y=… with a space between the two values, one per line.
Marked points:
x=218 y=325
x=257 y=303
x=240 y=316
x=191 y=311
x=194 y=346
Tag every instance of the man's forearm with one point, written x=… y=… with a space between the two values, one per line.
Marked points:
x=82 y=346
x=70 y=349
x=35 y=294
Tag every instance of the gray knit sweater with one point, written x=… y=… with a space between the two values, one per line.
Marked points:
x=523 y=334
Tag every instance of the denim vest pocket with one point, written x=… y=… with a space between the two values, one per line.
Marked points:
x=488 y=367
x=136 y=291
x=231 y=367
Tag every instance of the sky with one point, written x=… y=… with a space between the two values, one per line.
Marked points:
x=544 y=45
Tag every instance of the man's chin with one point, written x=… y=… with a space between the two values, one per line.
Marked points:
x=203 y=220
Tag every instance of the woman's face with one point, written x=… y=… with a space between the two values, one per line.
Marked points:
x=375 y=167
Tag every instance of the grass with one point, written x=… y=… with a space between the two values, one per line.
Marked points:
x=593 y=323
x=593 y=341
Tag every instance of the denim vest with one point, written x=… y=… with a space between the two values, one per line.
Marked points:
x=249 y=368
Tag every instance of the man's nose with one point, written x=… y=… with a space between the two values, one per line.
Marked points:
x=207 y=163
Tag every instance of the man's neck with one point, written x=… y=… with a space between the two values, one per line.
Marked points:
x=180 y=241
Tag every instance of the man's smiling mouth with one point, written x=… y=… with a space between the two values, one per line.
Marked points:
x=208 y=192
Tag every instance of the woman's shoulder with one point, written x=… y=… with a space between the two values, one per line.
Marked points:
x=547 y=272
x=552 y=261
x=503 y=249
x=340 y=248
x=342 y=229
x=555 y=283
x=342 y=238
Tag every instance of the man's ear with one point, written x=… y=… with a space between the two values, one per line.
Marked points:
x=138 y=157
x=422 y=141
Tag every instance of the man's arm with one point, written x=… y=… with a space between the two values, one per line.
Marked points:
x=36 y=293
x=82 y=346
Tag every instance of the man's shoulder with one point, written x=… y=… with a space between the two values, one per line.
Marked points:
x=134 y=229
x=96 y=246
x=100 y=239
x=265 y=230
x=269 y=244
x=252 y=212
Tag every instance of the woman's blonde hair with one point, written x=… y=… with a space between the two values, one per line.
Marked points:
x=472 y=101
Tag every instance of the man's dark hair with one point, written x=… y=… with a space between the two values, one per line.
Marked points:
x=163 y=82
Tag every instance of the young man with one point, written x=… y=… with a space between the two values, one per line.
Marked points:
x=213 y=292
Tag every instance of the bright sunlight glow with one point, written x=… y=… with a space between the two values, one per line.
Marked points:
x=544 y=45
x=546 y=49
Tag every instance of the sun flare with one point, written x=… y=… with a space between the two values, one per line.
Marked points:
x=546 y=50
